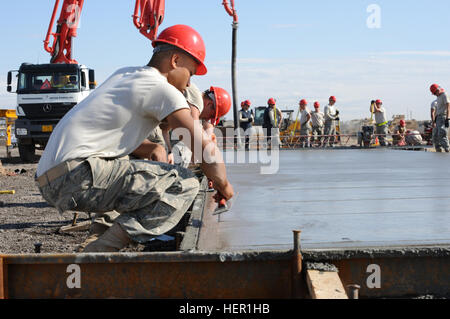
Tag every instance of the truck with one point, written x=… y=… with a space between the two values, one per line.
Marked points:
x=45 y=93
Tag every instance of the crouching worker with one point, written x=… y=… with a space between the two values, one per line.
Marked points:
x=85 y=166
x=399 y=134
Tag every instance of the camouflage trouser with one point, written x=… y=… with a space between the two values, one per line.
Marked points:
x=317 y=130
x=304 y=135
x=157 y=137
x=148 y=198
x=383 y=132
x=330 y=129
x=182 y=155
x=440 y=134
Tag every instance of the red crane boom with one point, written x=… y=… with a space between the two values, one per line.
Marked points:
x=66 y=29
x=148 y=15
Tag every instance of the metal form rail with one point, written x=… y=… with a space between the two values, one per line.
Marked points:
x=298 y=141
x=192 y=274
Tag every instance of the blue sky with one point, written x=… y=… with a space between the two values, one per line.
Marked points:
x=287 y=49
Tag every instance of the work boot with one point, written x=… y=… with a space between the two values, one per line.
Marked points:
x=438 y=150
x=113 y=240
x=95 y=231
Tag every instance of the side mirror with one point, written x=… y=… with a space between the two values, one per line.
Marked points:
x=83 y=80
x=9 y=87
x=92 y=83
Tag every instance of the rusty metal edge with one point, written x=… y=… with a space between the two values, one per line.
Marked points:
x=3 y=278
x=191 y=235
x=208 y=256
x=156 y=257
x=381 y=252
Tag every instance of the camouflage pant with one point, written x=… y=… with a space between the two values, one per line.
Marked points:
x=317 y=130
x=304 y=135
x=330 y=129
x=440 y=134
x=383 y=132
x=182 y=155
x=149 y=197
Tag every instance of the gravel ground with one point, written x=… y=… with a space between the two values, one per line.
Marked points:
x=25 y=217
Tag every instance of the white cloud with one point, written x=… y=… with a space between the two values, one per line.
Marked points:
x=418 y=53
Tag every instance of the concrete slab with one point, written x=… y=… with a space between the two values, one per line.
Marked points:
x=339 y=199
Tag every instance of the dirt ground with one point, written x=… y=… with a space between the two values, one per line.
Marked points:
x=25 y=217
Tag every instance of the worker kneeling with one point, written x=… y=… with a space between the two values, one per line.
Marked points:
x=85 y=166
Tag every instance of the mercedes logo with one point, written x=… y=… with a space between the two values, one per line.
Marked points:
x=47 y=108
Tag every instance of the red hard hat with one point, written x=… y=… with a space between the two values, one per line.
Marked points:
x=187 y=39
x=434 y=88
x=247 y=102
x=303 y=102
x=316 y=105
x=333 y=98
x=222 y=102
x=271 y=101
x=378 y=102
x=402 y=123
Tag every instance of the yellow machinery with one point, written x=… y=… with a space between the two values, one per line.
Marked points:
x=9 y=116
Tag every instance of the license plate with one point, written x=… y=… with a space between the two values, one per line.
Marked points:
x=47 y=128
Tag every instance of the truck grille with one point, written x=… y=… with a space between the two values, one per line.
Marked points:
x=46 y=110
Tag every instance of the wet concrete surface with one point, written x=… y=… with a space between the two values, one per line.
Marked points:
x=338 y=199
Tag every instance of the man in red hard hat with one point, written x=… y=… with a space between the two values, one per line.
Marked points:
x=331 y=115
x=317 y=121
x=85 y=166
x=272 y=122
x=381 y=122
x=305 y=117
x=246 y=119
x=441 y=119
x=399 y=134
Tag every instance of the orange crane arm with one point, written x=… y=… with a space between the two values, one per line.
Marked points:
x=148 y=15
x=66 y=29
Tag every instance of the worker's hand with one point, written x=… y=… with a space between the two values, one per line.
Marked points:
x=223 y=191
x=337 y=112
x=338 y=119
x=158 y=154
x=170 y=159
x=447 y=123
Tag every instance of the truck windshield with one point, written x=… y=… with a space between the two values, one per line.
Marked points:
x=55 y=82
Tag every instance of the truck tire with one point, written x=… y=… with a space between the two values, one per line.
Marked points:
x=27 y=153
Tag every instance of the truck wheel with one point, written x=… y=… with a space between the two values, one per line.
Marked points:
x=27 y=152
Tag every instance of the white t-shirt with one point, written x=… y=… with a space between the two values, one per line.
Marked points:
x=380 y=117
x=434 y=105
x=304 y=116
x=330 y=112
x=442 y=101
x=194 y=96
x=317 y=119
x=114 y=119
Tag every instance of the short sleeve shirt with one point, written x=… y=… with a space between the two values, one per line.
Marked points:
x=194 y=96
x=442 y=101
x=114 y=119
